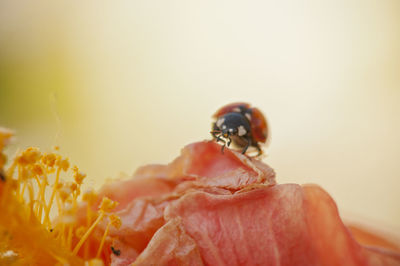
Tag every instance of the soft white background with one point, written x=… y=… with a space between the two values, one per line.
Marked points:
x=120 y=84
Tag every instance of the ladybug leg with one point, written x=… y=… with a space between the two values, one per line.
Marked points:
x=258 y=149
x=219 y=139
x=217 y=136
x=215 y=133
x=223 y=146
x=247 y=145
x=229 y=142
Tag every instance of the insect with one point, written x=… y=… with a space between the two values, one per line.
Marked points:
x=241 y=124
x=115 y=251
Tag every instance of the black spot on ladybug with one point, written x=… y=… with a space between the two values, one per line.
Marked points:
x=117 y=252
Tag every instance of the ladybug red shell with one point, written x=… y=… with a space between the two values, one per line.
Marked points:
x=241 y=124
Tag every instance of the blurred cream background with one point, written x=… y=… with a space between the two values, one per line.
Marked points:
x=120 y=84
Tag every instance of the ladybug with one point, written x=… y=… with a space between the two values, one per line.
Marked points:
x=241 y=124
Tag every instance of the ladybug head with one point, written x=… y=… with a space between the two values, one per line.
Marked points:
x=232 y=124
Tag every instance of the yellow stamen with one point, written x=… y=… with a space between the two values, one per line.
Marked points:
x=62 y=261
x=53 y=193
x=88 y=222
x=35 y=206
x=61 y=234
x=103 y=239
x=31 y=197
x=86 y=235
x=41 y=196
x=78 y=176
x=69 y=240
x=114 y=221
x=11 y=169
x=59 y=203
x=21 y=196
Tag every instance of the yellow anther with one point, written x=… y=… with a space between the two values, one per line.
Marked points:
x=78 y=176
x=115 y=221
x=90 y=196
x=38 y=169
x=64 y=192
x=49 y=159
x=29 y=156
x=63 y=164
x=73 y=186
x=107 y=204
